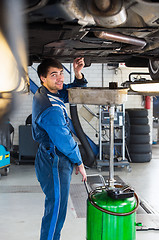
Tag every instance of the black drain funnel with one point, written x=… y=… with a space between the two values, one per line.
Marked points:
x=89 y=155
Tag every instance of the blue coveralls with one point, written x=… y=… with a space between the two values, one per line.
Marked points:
x=57 y=154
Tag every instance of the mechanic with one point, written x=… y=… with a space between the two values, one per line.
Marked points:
x=57 y=152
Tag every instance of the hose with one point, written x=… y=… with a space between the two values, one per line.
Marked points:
x=113 y=213
x=82 y=137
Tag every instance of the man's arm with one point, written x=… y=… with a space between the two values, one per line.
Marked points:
x=79 y=81
x=53 y=122
x=78 y=65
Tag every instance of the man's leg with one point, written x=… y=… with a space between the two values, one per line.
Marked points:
x=48 y=177
x=65 y=172
x=46 y=220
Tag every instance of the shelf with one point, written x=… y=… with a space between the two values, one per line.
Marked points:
x=105 y=163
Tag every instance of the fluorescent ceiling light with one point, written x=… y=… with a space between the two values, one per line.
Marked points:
x=149 y=87
x=22 y=85
x=9 y=75
x=12 y=76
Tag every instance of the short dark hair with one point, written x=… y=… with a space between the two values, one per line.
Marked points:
x=43 y=67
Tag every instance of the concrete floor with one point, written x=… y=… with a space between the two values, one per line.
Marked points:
x=22 y=201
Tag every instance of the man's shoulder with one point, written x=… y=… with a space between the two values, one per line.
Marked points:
x=40 y=93
x=40 y=102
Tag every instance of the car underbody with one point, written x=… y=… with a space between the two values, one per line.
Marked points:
x=105 y=31
x=101 y=31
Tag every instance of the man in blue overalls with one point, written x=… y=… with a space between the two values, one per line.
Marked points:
x=58 y=151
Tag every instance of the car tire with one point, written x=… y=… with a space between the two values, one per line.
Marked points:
x=141 y=112
x=139 y=139
x=140 y=148
x=127 y=128
x=140 y=157
x=154 y=69
x=139 y=129
x=139 y=121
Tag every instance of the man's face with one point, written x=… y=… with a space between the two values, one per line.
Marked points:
x=54 y=79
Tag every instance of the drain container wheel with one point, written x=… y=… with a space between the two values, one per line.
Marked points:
x=111 y=219
x=4 y=171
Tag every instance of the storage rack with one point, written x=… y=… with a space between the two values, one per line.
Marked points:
x=118 y=122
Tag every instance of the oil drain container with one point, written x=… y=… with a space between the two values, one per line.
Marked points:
x=109 y=218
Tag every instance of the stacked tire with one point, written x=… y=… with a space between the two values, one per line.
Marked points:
x=139 y=147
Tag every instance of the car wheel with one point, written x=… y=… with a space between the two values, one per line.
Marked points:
x=154 y=69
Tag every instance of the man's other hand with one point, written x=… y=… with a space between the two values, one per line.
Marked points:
x=78 y=65
x=82 y=171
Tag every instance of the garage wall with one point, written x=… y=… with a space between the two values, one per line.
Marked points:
x=98 y=75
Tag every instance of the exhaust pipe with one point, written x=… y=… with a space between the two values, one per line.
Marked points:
x=118 y=37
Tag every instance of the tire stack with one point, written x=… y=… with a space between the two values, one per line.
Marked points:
x=139 y=147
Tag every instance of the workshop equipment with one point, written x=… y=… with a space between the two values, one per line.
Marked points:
x=97 y=95
x=6 y=129
x=111 y=208
x=119 y=136
x=104 y=96
x=147 y=102
x=4 y=159
x=111 y=212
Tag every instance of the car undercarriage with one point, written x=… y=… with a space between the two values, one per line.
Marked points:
x=101 y=31
x=105 y=31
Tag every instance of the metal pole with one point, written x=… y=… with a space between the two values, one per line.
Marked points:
x=123 y=132
x=102 y=74
x=111 y=136
x=71 y=73
x=100 y=133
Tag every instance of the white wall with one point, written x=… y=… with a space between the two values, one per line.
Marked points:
x=23 y=102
